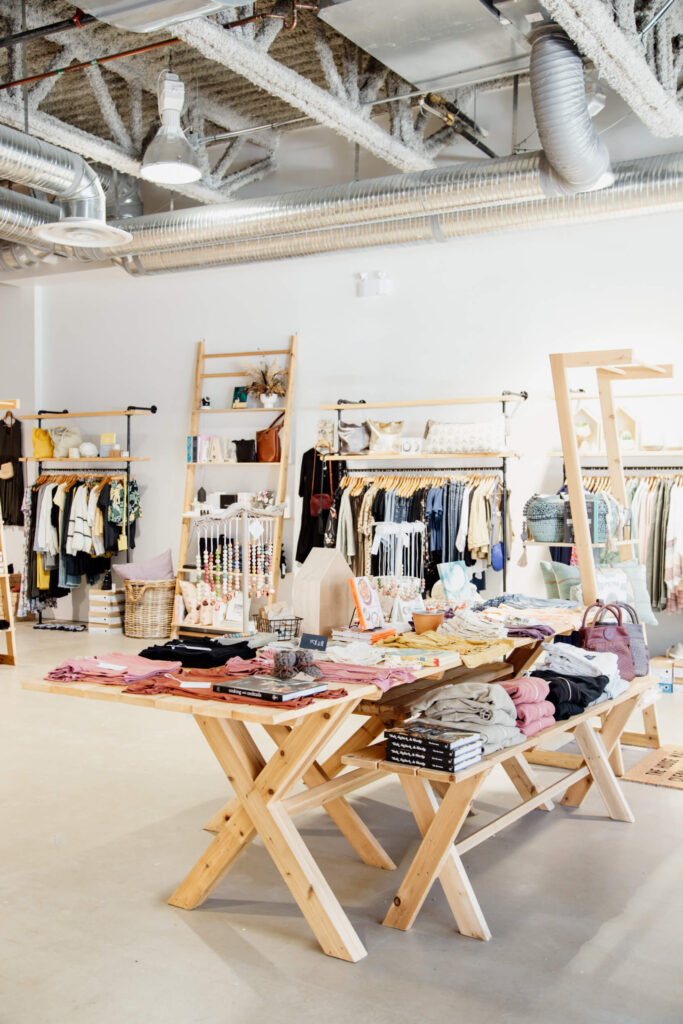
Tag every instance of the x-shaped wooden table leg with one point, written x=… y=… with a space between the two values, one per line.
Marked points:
x=596 y=749
x=347 y=820
x=261 y=789
x=437 y=856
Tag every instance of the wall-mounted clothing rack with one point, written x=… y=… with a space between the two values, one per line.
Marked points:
x=440 y=471
x=122 y=461
x=6 y=610
x=504 y=399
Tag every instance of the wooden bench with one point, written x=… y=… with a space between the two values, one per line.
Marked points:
x=440 y=852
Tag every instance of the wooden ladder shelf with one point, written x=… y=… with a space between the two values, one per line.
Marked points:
x=6 y=611
x=201 y=374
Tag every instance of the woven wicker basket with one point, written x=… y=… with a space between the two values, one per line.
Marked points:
x=149 y=608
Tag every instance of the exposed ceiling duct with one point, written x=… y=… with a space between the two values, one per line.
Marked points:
x=641 y=186
x=40 y=165
x=20 y=215
x=578 y=159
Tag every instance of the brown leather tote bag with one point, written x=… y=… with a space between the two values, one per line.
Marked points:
x=268 y=442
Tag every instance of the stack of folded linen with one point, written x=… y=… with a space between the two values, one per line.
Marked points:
x=467 y=624
x=534 y=710
x=118 y=669
x=483 y=708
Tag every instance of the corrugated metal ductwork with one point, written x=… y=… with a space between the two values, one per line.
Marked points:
x=641 y=186
x=20 y=215
x=577 y=158
x=398 y=195
x=40 y=165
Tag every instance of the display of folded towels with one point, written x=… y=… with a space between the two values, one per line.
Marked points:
x=483 y=708
x=117 y=669
x=530 y=697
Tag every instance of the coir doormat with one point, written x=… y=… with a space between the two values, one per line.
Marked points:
x=663 y=767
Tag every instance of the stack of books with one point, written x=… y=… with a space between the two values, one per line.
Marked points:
x=429 y=745
x=367 y=636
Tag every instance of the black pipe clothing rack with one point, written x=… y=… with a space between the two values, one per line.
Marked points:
x=505 y=398
x=120 y=467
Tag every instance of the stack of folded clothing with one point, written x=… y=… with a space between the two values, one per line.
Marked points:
x=578 y=678
x=483 y=708
x=534 y=710
x=467 y=624
x=199 y=653
x=118 y=669
x=433 y=746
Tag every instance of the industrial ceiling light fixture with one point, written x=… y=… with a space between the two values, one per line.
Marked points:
x=170 y=159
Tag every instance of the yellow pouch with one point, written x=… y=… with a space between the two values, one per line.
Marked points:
x=42 y=444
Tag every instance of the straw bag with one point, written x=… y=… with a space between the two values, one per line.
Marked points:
x=149 y=608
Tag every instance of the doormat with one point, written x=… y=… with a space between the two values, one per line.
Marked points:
x=663 y=767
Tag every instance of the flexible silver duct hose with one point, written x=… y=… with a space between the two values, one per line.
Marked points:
x=30 y=161
x=399 y=195
x=20 y=215
x=577 y=158
x=642 y=186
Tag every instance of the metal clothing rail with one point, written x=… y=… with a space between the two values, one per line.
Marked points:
x=441 y=471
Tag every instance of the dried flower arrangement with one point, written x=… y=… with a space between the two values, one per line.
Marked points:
x=266 y=379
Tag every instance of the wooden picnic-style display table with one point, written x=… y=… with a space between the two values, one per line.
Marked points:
x=263 y=802
x=439 y=854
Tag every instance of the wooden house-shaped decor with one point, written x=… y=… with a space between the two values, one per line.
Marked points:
x=321 y=592
x=587 y=430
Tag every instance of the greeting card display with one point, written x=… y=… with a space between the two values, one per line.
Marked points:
x=367 y=602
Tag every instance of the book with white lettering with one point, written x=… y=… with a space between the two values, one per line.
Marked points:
x=269 y=688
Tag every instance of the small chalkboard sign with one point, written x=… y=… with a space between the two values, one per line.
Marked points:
x=313 y=642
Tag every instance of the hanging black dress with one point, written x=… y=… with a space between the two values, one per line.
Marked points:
x=314 y=478
x=12 y=490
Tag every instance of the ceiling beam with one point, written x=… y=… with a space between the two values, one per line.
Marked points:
x=223 y=47
x=621 y=62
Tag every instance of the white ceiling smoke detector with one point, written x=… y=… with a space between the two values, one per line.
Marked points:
x=85 y=231
x=170 y=159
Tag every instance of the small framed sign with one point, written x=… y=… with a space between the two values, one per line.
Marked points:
x=312 y=642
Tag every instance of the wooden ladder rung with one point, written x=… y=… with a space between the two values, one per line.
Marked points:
x=238 y=355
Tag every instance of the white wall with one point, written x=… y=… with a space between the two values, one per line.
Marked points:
x=470 y=317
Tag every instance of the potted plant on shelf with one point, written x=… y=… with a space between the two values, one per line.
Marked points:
x=268 y=382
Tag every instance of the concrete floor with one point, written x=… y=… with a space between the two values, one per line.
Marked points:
x=103 y=808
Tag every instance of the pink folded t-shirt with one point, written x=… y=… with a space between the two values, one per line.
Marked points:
x=531 y=728
x=533 y=712
x=525 y=689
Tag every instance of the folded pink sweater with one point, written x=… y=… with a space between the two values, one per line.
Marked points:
x=111 y=668
x=527 y=713
x=526 y=689
x=531 y=728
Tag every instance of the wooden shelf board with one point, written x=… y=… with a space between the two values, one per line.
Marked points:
x=417 y=404
x=86 y=415
x=233 y=464
x=565 y=544
x=462 y=456
x=658 y=453
x=250 y=408
x=77 y=462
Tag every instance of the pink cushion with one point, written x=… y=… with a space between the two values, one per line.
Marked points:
x=158 y=568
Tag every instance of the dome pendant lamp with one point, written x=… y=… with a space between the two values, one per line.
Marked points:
x=170 y=159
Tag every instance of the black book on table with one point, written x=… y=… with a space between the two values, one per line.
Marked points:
x=279 y=691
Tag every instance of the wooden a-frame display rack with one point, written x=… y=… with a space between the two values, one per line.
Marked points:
x=610 y=365
x=198 y=410
x=6 y=611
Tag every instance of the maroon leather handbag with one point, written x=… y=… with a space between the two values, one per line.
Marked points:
x=608 y=636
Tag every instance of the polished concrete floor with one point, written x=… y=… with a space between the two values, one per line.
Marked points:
x=102 y=814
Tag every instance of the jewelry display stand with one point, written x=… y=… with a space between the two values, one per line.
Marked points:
x=235 y=557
